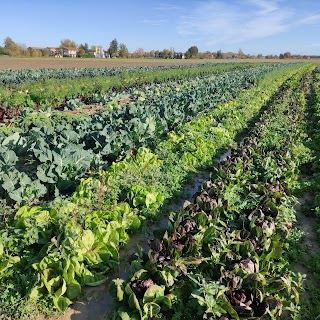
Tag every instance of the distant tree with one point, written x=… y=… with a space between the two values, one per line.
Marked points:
x=152 y=54
x=165 y=53
x=287 y=55
x=1 y=51
x=84 y=48
x=206 y=55
x=59 y=52
x=67 y=43
x=139 y=53
x=220 y=54
x=10 y=47
x=123 y=51
x=113 y=48
x=25 y=53
x=171 y=53
x=86 y=52
x=281 y=56
x=23 y=50
x=214 y=55
x=241 y=54
x=34 y=53
x=81 y=52
x=178 y=55
x=192 y=52
x=45 y=53
x=259 y=56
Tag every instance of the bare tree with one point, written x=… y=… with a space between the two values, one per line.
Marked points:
x=140 y=53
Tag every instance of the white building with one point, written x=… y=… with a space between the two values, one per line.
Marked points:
x=99 y=52
x=69 y=52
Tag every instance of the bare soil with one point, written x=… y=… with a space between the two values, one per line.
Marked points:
x=310 y=242
x=94 y=108
x=87 y=109
x=307 y=224
x=35 y=63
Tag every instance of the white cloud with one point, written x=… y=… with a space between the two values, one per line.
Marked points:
x=166 y=7
x=161 y=16
x=313 y=19
x=266 y=6
x=154 y=22
x=217 y=22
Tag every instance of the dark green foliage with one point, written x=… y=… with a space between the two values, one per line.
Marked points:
x=55 y=153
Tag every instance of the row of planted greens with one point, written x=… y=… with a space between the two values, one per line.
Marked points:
x=315 y=113
x=57 y=92
x=309 y=253
x=48 y=252
x=223 y=256
x=50 y=151
x=106 y=93
x=15 y=77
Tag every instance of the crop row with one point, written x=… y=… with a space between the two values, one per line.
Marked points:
x=57 y=92
x=309 y=253
x=316 y=138
x=15 y=77
x=48 y=156
x=223 y=256
x=48 y=252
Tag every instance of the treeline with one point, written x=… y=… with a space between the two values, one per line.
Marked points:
x=120 y=50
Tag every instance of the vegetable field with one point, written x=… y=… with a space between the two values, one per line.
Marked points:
x=53 y=63
x=89 y=157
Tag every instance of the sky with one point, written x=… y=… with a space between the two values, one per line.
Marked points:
x=254 y=26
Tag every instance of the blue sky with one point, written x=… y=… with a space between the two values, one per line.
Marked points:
x=255 y=26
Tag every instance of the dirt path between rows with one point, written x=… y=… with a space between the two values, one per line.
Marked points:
x=310 y=241
x=38 y=63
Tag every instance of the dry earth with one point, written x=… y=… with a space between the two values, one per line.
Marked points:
x=34 y=63
x=310 y=241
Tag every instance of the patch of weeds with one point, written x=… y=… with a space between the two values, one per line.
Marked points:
x=15 y=304
x=310 y=308
x=294 y=246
